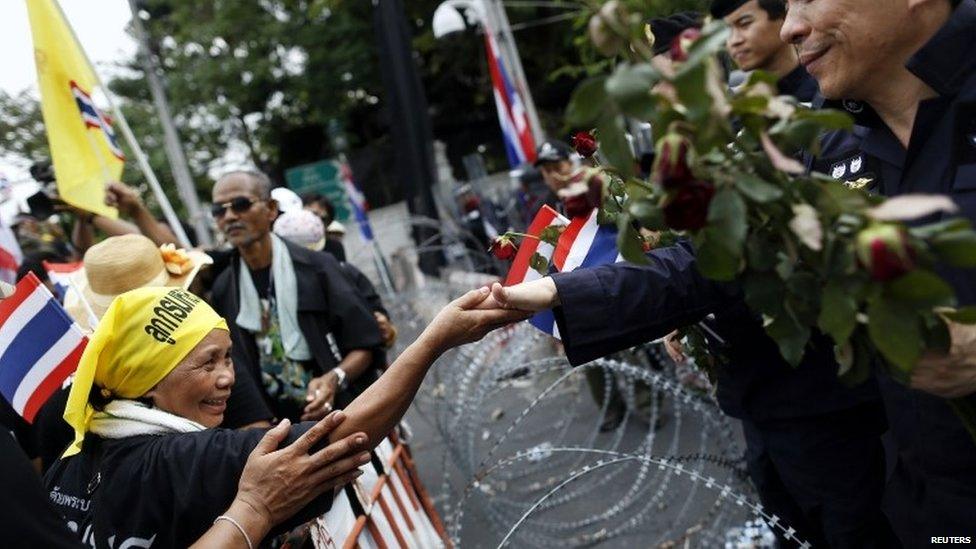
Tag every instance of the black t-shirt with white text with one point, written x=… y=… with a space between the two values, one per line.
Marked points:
x=163 y=491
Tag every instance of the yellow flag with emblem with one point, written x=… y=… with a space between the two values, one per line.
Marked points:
x=84 y=147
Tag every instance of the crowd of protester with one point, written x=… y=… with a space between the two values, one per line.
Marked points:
x=229 y=352
x=275 y=331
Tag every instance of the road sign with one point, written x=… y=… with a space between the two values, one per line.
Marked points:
x=321 y=177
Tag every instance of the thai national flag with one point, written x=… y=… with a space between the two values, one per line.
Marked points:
x=521 y=270
x=94 y=118
x=514 y=120
x=60 y=274
x=10 y=254
x=40 y=346
x=358 y=203
x=584 y=243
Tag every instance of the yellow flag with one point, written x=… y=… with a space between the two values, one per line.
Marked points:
x=84 y=147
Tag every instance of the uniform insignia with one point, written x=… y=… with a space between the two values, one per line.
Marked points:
x=861 y=183
x=856 y=164
x=839 y=170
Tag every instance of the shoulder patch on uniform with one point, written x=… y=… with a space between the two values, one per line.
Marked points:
x=839 y=170
x=857 y=164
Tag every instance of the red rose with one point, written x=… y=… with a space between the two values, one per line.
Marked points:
x=682 y=43
x=885 y=252
x=584 y=193
x=503 y=248
x=671 y=163
x=687 y=207
x=585 y=144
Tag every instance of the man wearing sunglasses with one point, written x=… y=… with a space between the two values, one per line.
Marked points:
x=298 y=325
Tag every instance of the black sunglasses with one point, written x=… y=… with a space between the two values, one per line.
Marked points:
x=239 y=205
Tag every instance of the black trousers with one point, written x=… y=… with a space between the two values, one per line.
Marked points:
x=824 y=476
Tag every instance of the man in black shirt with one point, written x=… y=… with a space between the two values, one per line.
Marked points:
x=299 y=326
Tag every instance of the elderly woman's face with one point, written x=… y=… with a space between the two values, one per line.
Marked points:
x=199 y=386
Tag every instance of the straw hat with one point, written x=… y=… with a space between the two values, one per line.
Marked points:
x=122 y=263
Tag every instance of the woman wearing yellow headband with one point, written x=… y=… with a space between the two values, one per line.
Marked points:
x=147 y=467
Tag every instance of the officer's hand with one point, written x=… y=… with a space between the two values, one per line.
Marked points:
x=952 y=375
x=672 y=344
x=463 y=321
x=534 y=296
x=387 y=330
x=278 y=483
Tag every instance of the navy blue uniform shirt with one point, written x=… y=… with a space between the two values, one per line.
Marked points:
x=933 y=491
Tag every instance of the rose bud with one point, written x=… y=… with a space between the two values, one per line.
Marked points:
x=602 y=35
x=585 y=144
x=687 y=207
x=671 y=162
x=682 y=43
x=584 y=193
x=503 y=248
x=885 y=251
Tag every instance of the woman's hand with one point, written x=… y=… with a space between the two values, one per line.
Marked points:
x=321 y=395
x=467 y=319
x=276 y=484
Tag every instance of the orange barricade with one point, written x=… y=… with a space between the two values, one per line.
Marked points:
x=387 y=507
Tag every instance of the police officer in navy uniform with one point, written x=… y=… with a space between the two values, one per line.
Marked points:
x=906 y=71
x=754 y=44
x=814 y=449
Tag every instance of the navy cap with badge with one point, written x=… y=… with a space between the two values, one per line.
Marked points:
x=552 y=150
x=722 y=8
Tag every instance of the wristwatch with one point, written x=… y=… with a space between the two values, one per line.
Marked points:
x=341 y=375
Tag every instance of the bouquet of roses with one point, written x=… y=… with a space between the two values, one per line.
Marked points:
x=809 y=252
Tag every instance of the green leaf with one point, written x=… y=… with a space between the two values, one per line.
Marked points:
x=630 y=88
x=714 y=260
x=756 y=189
x=648 y=214
x=930 y=230
x=962 y=315
x=629 y=242
x=827 y=119
x=790 y=337
x=895 y=332
x=957 y=248
x=838 y=312
x=539 y=263
x=727 y=216
x=587 y=102
x=921 y=288
x=614 y=145
x=764 y=293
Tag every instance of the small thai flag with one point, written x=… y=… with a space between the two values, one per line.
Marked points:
x=584 y=243
x=521 y=270
x=40 y=346
x=358 y=204
x=60 y=275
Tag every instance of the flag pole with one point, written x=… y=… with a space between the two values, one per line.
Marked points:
x=147 y=171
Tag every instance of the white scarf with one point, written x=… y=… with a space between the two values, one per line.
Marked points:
x=286 y=300
x=128 y=418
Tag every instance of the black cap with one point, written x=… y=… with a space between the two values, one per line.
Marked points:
x=666 y=29
x=722 y=8
x=552 y=150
